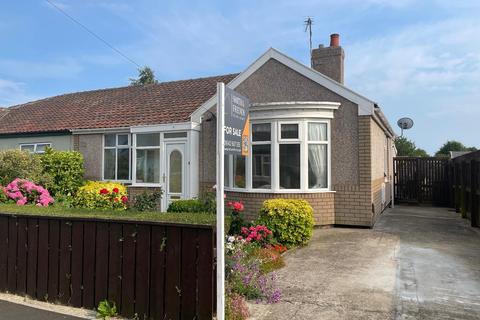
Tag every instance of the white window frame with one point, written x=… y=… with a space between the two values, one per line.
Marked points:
x=319 y=142
x=160 y=147
x=116 y=147
x=35 y=146
x=275 y=142
x=249 y=168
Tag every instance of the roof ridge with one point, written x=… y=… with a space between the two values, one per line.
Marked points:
x=117 y=88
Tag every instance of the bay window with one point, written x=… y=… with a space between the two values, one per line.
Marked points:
x=317 y=155
x=286 y=156
x=116 y=156
x=261 y=156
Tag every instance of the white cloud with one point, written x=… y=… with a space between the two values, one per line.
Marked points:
x=430 y=57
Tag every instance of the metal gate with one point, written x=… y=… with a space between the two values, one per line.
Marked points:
x=422 y=180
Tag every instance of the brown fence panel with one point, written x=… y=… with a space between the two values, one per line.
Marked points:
x=422 y=180
x=154 y=270
x=466 y=186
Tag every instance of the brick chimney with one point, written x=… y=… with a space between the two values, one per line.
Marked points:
x=329 y=60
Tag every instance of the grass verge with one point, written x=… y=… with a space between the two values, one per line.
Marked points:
x=130 y=215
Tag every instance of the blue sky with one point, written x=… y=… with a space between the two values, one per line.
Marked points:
x=415 y=58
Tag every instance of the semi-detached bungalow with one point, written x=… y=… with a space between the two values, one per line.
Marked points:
x=312 y=137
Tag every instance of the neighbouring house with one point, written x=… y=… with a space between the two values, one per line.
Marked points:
x=312 y=137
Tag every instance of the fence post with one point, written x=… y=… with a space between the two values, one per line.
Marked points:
x=473 y=193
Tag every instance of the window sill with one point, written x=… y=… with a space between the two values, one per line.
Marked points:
x=278 y=191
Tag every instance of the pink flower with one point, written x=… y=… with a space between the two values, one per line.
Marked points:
x=21 y=202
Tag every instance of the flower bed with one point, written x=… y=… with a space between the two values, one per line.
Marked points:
x=24 y=192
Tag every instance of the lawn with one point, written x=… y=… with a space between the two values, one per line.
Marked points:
x=59 y=211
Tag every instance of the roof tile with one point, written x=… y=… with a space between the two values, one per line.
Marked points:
x=166 y=102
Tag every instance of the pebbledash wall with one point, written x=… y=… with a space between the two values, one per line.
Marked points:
x=357 y=146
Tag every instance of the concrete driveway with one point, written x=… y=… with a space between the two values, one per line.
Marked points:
x=417 y=263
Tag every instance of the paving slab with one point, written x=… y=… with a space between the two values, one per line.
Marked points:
x=416 y=263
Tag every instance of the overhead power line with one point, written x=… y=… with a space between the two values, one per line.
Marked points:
x=93 y=34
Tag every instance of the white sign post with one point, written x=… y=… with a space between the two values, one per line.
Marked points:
x=220 y=202
x=233 y=138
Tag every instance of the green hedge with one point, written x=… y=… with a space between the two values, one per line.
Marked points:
x=66 y=170
x=131 y=215
x=290 y=220
x=21 y=164
x=189 y=205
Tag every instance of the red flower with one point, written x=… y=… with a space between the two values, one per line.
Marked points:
x=115 y=190
x=104 y=191
x=124 y=199
x=238 y=206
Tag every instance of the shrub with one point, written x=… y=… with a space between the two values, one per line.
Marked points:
x=3 y=195
x=236 y=307
x=26 y=192
x=101 y=195
x=188 y=205
x=209 y=201
x=260 y=235
x=290 y=220
x=147 y=201
x=66 y=170
x=270 y=260
x=236 y=209
x=244 y=274
x=21 y=164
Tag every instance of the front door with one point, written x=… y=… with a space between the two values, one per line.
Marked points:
x=174 y=179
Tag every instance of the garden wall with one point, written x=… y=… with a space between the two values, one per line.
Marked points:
x=322 y=203
x=155 y=270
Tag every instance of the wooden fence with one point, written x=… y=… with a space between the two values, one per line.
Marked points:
x=154 y=270
x=422 y=180
x=465 y=188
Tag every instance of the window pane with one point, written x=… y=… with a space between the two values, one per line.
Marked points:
x=123 y=139
x=261 y=132
x=317 y=166
x=175 y=172
x=148 y=140
x=109 y=164
x=289 y=131
x=239 y=174
x=148 y=166
x=171 y=135
x=317 y=131
x=226 y=173
x=261 y=169
x=28 y=147
x=110 y=140
x=123 y=163
x=290 y=166
x=42 y=147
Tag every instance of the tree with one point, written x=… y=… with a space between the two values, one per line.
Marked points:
x=408 y=148
x=452 y=145
x=145 y=76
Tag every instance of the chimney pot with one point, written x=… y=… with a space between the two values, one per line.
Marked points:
x=334 y=40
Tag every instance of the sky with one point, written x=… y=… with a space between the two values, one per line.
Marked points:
x=418 y=59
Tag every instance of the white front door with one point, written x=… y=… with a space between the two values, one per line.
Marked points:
x=174 y=178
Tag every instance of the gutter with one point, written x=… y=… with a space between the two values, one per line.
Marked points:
x=380 y=117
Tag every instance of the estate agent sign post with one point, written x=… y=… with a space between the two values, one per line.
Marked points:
x=233 y=136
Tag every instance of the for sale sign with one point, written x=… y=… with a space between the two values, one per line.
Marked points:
x=237 y=123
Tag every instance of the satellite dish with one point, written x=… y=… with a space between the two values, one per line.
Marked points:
x=405 y=124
